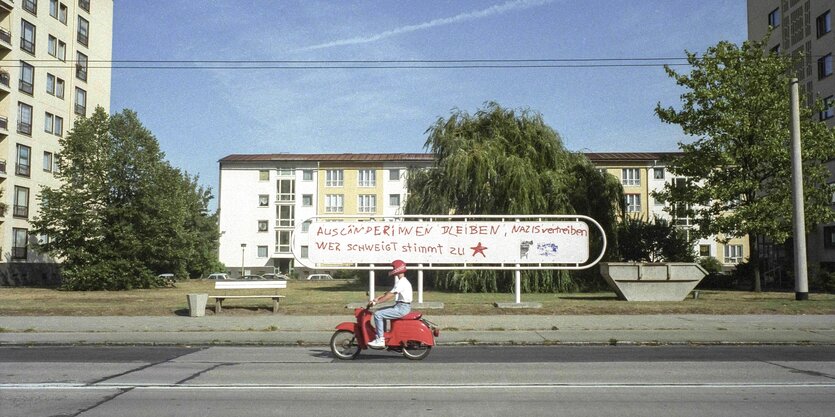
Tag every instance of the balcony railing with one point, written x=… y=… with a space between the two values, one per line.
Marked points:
x=80 y=110
x=82 y=38
x=26 y=87
x=24 y=128
x=27 y=45
x=81 y=72
x=18 y=252
x=4 y=125
x=21 y=211
x=6 y=36
x=5 y=79
x=22 y=170
x=2 y=167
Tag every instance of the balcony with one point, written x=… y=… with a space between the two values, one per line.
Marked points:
x=5 y=39
x=5 y=81
x=6 y=5
x=2 y=167
x=4 y=125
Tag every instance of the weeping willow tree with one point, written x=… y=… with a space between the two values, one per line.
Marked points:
x=503 y=161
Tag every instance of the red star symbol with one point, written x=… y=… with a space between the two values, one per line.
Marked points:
x=479 y=249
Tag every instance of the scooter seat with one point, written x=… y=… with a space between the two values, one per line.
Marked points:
x=414 y=315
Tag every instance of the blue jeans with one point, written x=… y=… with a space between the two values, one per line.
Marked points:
x=396 y=311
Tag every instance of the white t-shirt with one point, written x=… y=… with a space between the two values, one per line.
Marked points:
x=403 y=289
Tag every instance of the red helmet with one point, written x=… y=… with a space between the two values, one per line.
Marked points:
x=398 y=267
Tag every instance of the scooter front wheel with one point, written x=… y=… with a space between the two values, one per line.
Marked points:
x=344 y=345
x=415 y=351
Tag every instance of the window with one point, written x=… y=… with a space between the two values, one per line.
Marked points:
x=776 y=49
x=658 y=173
x=27 y=37
x=285 y=214
x=394 y=200
x=394 y=175
x=262 y=252
x=304 y=252
x=54 y=86
x=263 y=175
x=306 y=226
x=53 y=8
x=84 y=5
x=829 y=237
x=307 y=175
x=27 y=78
x=286 y=190
x=263 y=200
x=334 y=203
x=83 y=31
x=47 y=161
x=20 y=238
x=633 y=203
x=81 y=66
x=80 y=102
x=57 y=48
x=49 y=122
x=704 y=250
x=23 y=162
x=681 y=212
x=367 y=178
x=774 y=18
x=284 y=238
x=823 y=24
x=333 y=178
x=733 y=254
x=367 y=203
x=59 y=126
x=307 y=200
x=631 y=176
x=62 y=13
x=31 y=6
x=828 y=112
x=263 y=225
x=21 y=202
x=24 y=118
x=286 y=172
x=825 y=66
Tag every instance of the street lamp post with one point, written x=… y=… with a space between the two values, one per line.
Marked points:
x=243 y=251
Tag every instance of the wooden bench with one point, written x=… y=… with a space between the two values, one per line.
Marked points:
x=247 y=285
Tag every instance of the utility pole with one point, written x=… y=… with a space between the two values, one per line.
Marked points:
x=801 y=281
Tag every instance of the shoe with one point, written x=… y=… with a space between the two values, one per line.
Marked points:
x=378 y=343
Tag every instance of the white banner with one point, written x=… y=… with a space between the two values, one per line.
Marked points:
x=450 y=242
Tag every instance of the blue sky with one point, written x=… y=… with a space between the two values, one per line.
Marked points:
x=200 y=114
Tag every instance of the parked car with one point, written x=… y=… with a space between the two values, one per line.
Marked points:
x=315 y=277
x=218 y=275
x=274 y=277
x=167 y=279
x=252 y=277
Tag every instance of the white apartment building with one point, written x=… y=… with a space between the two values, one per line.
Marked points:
x=262 y=198
x=803 y=29
x=45 y=83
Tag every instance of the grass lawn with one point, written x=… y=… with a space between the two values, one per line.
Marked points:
x=331 y=297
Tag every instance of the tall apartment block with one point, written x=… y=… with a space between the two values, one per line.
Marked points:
x=263 y=197
x=803 y=29
x=45 y=84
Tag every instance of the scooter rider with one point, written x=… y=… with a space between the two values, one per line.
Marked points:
x=402 y=292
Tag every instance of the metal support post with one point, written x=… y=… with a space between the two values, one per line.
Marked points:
x=801 y=282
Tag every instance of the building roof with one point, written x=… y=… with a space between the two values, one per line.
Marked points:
x=422 y=157
x=630 y=156
x=598 y=157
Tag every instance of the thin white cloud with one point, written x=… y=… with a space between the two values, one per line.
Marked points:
x=463 y=17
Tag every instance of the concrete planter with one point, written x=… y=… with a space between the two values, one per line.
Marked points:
x=197 y=304
x=652 y=281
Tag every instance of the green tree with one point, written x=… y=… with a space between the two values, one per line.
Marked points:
x=500 y=161
x=737 y=170
x=653 y=241
x=122 y=214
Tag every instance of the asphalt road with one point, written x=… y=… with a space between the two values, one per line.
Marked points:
x=462 y=381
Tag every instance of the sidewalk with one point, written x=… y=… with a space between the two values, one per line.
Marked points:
x=502 y=329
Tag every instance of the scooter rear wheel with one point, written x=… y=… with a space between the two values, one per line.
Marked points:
x=344 y=345
x=416 y=351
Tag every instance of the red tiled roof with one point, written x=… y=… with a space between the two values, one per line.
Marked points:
x=629 y=156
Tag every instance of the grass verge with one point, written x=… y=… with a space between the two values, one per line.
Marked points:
x=331 y=297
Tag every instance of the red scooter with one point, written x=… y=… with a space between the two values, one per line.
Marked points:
x=411 y=335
